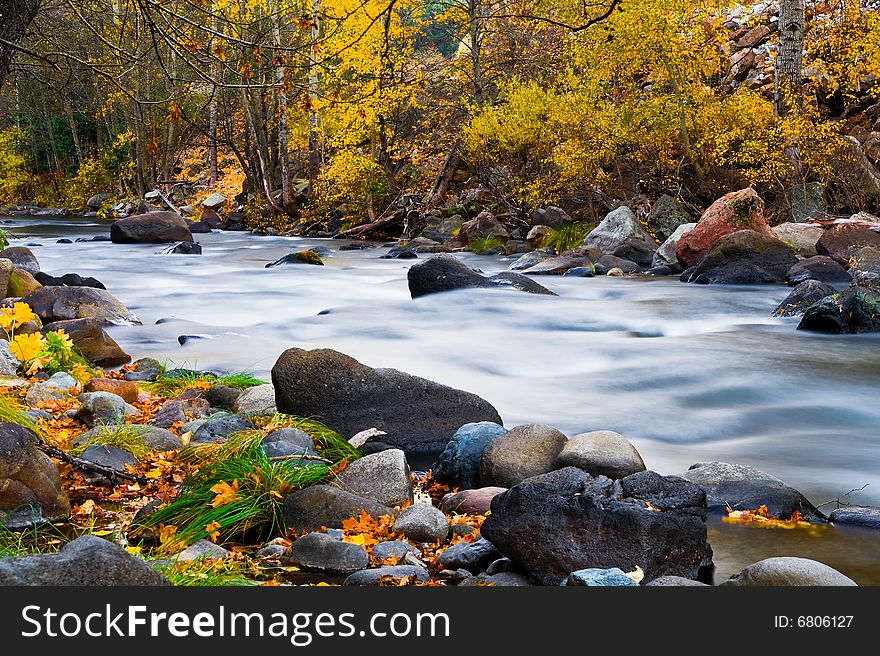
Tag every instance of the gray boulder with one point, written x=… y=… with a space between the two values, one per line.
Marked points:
x=557 y=523
x=286 y=442
x=820 y=268
x=322 y=553
x=741 y=487
x=789 y=571
x=418 y=415
x=802 y=297
x=101 y=409
x=393 y=551
x=219 y=428
x=601 y=453
x=523 y=452
x=475 y=556
x=444 y=272
x=459 y=464
x=665 y=254
x=390 y=575
x=528 y=260
x=744 y=257
x=422 y=522
x=85 y=561
x=802 y=237
x=383 y=477
x=860 y=516
x=67 y=303
x=620 y=234
x=558 y=266
x=318 y=506
x=152 y=228
x=256 y=401
x=667 y=215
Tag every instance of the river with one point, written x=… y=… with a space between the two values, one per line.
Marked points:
x=688 y=373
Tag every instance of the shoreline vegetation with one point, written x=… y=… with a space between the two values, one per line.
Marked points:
x=733 y=144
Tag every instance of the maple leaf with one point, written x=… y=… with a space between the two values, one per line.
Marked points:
x=213 y=530
x=224 y=493
x=27 y=347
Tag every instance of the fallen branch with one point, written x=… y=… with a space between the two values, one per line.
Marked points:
x=839 y=499
x=85 y=465
x=378 y=225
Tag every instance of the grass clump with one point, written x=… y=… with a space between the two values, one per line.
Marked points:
x=11 y=412
x=204 y=573
x=172 y=385
x=127 y=437
x=566 y=237
x=482 y=245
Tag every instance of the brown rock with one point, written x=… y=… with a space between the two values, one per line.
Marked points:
x=22 y=283
x=841 y=241
x=27 y=476
x=125 y=388
x=485 y=225
x=92 y=341
x=739 y=210
x=470 y=502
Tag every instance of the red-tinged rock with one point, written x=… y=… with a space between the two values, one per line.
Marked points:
x=125 y=388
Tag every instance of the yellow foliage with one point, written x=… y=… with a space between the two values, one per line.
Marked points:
x=16 y=181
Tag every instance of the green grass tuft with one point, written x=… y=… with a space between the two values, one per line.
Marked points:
x=203 y=573
x=11 y=412
x=485 y=244
x=128 y=437
x=172 y=386
x=566 y=237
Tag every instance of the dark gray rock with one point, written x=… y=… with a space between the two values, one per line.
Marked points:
x=475 y=556
x=579 y=272
x=153 y=227
x=789 y=571
x=317 y=506
x=320 y=552
x=87 y=560
x=601 y=453
x=288 y=442
x=101 y=409
x=219 y=427
x=67 y=280
x=459 y=464
x=444 y=272
x=802 y=297
x=666 y=216
x=394 y=550
x=566 y=520
x=222 y=397
x=860 y=516
x=741 y=487
x=66 y=303
x=383 y=477
x=391 y=575
x=183 y=248
x=500 y=580
x=675 y=582
x=29 y=480
x=108 y=456
x=418 y=415
x=744 y=257
x=523 y=452
x=820 y=268
x=422 y=522
x=854 y=310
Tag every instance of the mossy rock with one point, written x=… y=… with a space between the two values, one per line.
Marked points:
x=21 y=283
x=309 y=257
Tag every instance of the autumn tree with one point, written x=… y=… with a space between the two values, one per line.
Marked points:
x=15 y=17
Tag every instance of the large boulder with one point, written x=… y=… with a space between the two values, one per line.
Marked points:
x=745 y=257
x=521 y=453
x=483 y=226
x=150 y=228
x=383 y=477
x=601 y=453
x=740 y=210
x=854 y=310
x=802 y=237
x=567 y=520
x=789 y=571
x=861 y=516
x=66 y=303
x=417 y=415
x=840 y=241
x=85 y=561
x=741 y=487
x=29 y=481
x=818 y=267
x=665 y=254
x=21 y=257
x=444 y=272
x=620 y=234
x=802 y=297
x=320 y=506
x=667 y=215
x=92 y=341
x=459 y=464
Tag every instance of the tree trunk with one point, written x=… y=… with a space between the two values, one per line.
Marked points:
x=314 y=163
x=212 y=109
x=15 y=16
x=283 y=108
x=789 y=58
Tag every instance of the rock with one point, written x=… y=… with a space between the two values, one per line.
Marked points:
x=9 y=364
x=667 y=215
x=418 y=415
x=470 y=502
x=272 y=551
x=459 y=464
x=180 y=410
x=741 y=487
x=40 y=393
x=538 y=233
x=856 y=516
x=557 y=266
x=320 y=552
x=62 y=381
x=202 y=550
x=802 y=297
x=422 y=522
x=675 y=582
x=745 y=257
x=214 y=201
x=21 y=258
x=392 y=575
x=502 y=580
x=152 y=228
x=610 y=265
x=220 y=396
x=399 y=253
x=483 y=226
x=65 y=303
x=127 y=390
x=442 y=229
x=182 y=248
x=256 y=401
x=86 y=561
x=6 y=269
x=200 y=228
x=665 y=254
x=92 y=341
x=301 y=257
x=529 y=260
x=318 y=506
x=95 y=202
x=601 y=453
x=854 y=310
x=67 y=280
x=475 y=556
x=820 y=268
x=789 y=571
x=393 y=551
x=808 y=201
x=156 y=439
x=383 y=477
x=596 y=577
x=288 y=442
x=219 y=428
x=802 y=237
x=840 y=241
x=21 y=283
x=444 y=272
x=565 y=521
x=101 y=408
x=740 y=210
x=552 y=216
x=28 y=478
x=108 y=456
x=523 y=452
x=620 y=234
x=579 y=272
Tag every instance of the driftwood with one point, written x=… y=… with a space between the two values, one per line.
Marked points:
x=378 y=226
x=444 y=178
x=85 y=465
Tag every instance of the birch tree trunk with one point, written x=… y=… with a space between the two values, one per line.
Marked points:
x=789 y=57
x=314 y=163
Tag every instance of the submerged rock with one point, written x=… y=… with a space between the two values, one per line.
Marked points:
x=182 y=248
x=802 y=297
x=860 y=516
x=301 y=257
x=153 y=227
x=744 y=257
x=854 y=310
x=444 y=272
x=789 y=571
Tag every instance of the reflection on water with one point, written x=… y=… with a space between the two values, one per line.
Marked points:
x=689 y=373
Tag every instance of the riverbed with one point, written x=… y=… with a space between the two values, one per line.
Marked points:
x=688 y=373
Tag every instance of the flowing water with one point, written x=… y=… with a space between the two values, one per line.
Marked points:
x=688 y=373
